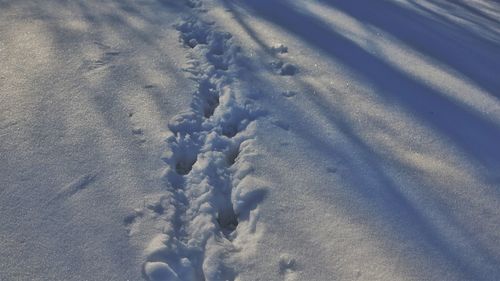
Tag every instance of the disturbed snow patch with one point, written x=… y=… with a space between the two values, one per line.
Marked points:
x=210 y=207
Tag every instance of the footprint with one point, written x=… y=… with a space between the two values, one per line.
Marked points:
x=184 y=166
x=193 y=32
x=228 y=221
x=229 y=130
x=211 y=103
x=232 y=155
x=203 y=194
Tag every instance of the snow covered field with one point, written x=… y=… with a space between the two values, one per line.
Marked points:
x=250 y=140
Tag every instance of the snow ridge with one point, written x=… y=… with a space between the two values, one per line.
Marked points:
x=208 y=204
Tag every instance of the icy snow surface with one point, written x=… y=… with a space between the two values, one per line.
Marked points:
x=249 y=140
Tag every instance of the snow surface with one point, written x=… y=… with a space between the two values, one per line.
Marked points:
x=249 y=140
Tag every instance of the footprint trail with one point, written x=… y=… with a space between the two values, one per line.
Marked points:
x=207 y=203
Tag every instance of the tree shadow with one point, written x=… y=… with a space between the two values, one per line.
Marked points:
x=105 y=98
x=470 y=130
x=391 y=199
x=474 y=56
x=467 y=12
x=474 y=133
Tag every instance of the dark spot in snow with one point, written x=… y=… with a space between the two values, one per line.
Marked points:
x=228 y=221
x=137 y=131
x=183 y=167
x=288 y=70
x=331 y=170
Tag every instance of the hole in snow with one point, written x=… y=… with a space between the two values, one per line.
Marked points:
x=211 y=104
x=228 y=221
x=192 y=43
x=229 y=131
x=232 y=155
x=183 y=167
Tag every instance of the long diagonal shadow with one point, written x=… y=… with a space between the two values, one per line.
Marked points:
x=461 y=49
x=403 y=91
x=470 y=130
x=391 y=199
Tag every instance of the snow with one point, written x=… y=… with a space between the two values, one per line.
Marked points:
x=249 y=140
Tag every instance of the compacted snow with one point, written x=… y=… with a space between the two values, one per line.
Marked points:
x=250 y=140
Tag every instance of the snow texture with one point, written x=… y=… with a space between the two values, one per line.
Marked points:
x=241 y=140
